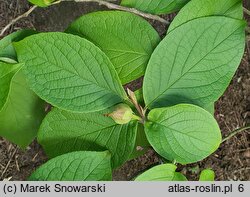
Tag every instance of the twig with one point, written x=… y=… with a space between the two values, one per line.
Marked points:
x=7 y=166
x=24 y=15
x=8 y=179
x=235 y=132
x=242 y=169
x=248 y=38
x=122 y=8
x=100 y=2
x=17 y=165
x=34 y=158
x=246 y=11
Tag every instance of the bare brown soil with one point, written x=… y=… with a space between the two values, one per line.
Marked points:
x=230 y=162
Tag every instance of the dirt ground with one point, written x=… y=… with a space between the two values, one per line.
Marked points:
x=230 y=162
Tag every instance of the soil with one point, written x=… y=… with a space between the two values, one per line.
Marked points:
x=230 y=162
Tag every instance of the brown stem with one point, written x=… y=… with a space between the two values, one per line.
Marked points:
x=106 y=3
x=235 y=132
x=110 y=5
x=24 y=15
x=246 y=11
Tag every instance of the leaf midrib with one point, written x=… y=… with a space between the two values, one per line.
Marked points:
x=82 y=135
x=77 y=74
x=204 y=16
x=169 y=87
x=169 y=128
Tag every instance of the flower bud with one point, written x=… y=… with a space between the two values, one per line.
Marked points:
x=122 y=114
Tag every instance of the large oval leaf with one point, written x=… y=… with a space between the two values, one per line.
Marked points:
x=62 y=132
x=194 y=63
x=155 y=6
x=185 y=133
x=128 y=40
x=22 y=112
x=203 y=8
x=76 y=166
x=7 y=71
x=69 y=72
x=164 y=172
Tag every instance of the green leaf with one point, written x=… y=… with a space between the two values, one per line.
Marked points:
x=42 y=3
x=7 y=71
x=164 y=172
x=210 y=108
x=76 y=166
x=204 y=8
x=184 y=133
x=22 y=112
x=141 y=143
x=69 y=72
x=139 y=96
x=155 y=6
x=179 y=177
x=6 y=44
x=128 y=40
x=207 y=175
x=194 y=63
x=62 y=132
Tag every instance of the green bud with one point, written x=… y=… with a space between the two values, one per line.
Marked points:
x=122 y=114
